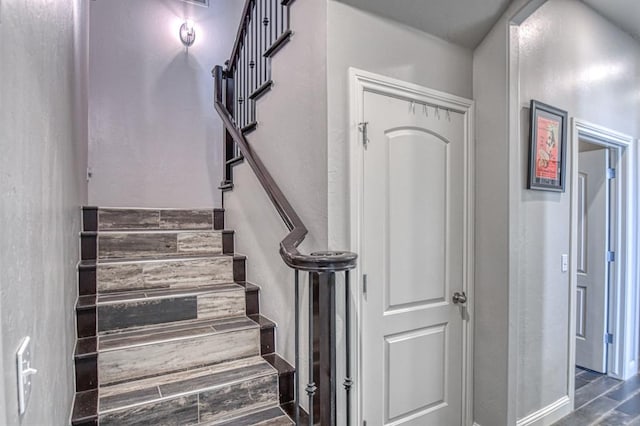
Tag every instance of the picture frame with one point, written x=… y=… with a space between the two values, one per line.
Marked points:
x=547 y=147
x=203 y=3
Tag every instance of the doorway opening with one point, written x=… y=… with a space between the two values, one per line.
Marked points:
x=595 y=251
x=602 y=298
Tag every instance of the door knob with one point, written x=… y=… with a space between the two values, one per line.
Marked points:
x=459 y=298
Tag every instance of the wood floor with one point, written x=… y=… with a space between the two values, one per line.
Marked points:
x=603 y=401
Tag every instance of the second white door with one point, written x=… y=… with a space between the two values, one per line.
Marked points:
x=592 y=263
x=413 y=242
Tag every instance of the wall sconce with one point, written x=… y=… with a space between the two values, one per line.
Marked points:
x=187 y=33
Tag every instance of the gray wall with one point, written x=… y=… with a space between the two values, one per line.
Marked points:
x=365 y=41
x=574 y=59
x=43 y=145
x=155 y=140
x=491 y=238
x=291 y=141
x=568 y=56
x=371 y=43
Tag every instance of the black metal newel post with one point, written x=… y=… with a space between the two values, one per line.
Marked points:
x=297 y=344
x=311 y=386
x=327 y=348
x=347 y=343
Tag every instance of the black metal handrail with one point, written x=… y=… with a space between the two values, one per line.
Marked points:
x=264 y=29
x=323 y=261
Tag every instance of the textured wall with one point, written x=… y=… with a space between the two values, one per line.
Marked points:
x=42 y=187
x=365 y=41
x=491 y=256
x=362 y=40
x=155 y=139
x=572 y=58
x=291 y=140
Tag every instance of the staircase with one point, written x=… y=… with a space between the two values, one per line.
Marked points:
x=169 y=330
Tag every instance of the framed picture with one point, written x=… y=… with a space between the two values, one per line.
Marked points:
x=204 y=3
x=547 y=147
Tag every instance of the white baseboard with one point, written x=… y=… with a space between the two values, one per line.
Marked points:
x=548 y=414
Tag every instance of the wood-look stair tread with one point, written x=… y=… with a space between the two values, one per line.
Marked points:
x=262 y=321
x=149 y=335
x=279 y=363
x=144 y=391
x=273 y=416
x=186 y=257
x=160 y=231
x=84 y=407
x=249 y=286
x=86 y=347
x=168 y=209
x=164 y=293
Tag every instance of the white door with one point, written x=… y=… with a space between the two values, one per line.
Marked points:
x=412 y=254
x=592 y=264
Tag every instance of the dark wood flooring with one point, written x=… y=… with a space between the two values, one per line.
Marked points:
x=603 y=401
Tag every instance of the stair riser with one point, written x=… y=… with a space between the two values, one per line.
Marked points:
x=143 y=361
x=178 y=411
x=115 y=316
x=167 y=274
x=86 y=373
x=203 y=407
x=133 y=245
x=95 y=219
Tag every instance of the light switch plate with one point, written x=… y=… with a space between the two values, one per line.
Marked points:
x=25 y=371
x=565 y=263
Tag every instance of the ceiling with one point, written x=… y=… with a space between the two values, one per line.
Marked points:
x=624 y=13
x=462 y=22
x=466 y=22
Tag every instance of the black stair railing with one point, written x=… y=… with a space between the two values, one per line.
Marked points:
x=264 y=28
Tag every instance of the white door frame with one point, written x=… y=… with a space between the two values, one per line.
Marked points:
x=364 y=81
x=622 y=309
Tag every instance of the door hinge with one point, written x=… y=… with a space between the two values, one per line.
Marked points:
x=611 y=173
x=364 y=284
x=608 y=338
x=362 y=126
x=611 y=256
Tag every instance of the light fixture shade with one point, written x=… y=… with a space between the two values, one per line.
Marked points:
x=187 y=33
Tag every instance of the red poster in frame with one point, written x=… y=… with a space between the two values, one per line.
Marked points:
x=547 y=147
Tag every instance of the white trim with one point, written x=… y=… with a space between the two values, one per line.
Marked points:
x=549 y=414
x=623 y=323
x=361 y=81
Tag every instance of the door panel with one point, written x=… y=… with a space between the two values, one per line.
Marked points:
x=592 y=266
x=427 y=385
x=412 y=240
x=407 y=176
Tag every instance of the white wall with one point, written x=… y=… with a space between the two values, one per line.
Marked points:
x=371 y=43
x=155 y=139
x=43 y=146
x=574 y=59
